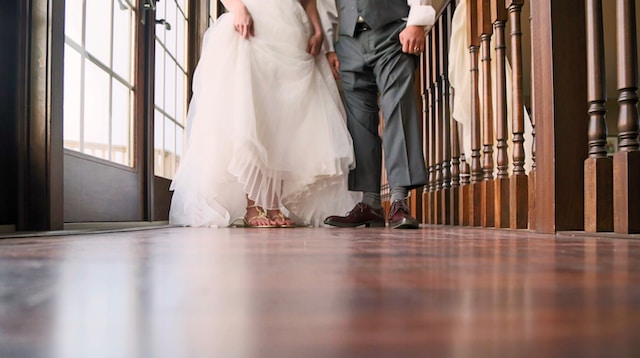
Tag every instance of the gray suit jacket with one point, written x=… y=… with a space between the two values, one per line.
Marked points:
x=376 y=13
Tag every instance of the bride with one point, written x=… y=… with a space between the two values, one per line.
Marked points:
x=267 y=142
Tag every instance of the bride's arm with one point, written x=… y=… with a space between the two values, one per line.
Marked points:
x=242 y=20
x=315 y=42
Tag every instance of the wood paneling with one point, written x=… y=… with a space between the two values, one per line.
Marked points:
x=95 y=190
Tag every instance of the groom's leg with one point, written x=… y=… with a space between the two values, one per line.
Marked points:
x=361 y=104
x=402 y=138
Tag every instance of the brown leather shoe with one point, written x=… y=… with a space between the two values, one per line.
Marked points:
x=361 y=214
x=399 y=216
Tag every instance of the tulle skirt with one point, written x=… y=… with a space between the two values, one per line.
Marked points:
x=266 y=121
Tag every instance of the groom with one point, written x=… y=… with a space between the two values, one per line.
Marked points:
x=376 y=57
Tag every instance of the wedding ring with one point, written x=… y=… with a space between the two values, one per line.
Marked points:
x=416 y=49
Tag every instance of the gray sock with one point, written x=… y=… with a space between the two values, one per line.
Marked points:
x=399 y=193
x=372 y=199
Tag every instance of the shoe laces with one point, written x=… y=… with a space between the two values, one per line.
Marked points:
x=397 y=206
x=361 y=207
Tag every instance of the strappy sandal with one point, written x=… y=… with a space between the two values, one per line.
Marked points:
x=261 y=220
x=282 y=221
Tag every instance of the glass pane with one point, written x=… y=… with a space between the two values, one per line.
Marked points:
x=159 y=80
x=72 y=97
x=96 y=111
x=122 y=124
x=73 y=20
x=181 y=98
x=179 y=144
x=169 y=148
x=183 y=5
x=98 y=90
x=181 y=42
x=122 y=41
x=98 y=30
x=158 y=144
x=160 y=9
x=170 y=87
x=170 y=35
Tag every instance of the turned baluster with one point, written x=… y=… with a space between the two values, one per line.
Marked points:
x=532 y=173
x=446 y=99
x=445 y=128
x=499 y=18
x=626 y=162
x=486 y=186
x=475 y=204
x=598 y=168
x=515 y=9
x=451 y=195
x=432 y=134
x=424 y=92
x=518 y=196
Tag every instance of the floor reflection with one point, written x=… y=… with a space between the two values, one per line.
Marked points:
x=436 y=291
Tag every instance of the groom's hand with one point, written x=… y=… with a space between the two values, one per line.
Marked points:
x=412 y=40
x=334 y=63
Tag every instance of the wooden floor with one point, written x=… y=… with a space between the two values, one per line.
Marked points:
x=433 y=292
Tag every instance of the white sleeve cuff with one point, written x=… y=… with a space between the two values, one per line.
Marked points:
x=328 y=13
x=327 y=45
x=421 y=15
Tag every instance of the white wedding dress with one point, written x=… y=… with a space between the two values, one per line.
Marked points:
x=264 y=114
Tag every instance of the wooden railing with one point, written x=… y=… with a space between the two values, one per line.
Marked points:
x=482 y=168
x=612 y=187
x=464 y=188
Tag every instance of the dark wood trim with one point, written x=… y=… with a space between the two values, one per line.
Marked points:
x=40 y=122
x=11 y=40
x=145 y=79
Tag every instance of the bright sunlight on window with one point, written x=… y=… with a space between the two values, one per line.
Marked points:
x=98 y=78
x=170 y=85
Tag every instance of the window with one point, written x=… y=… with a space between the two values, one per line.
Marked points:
x=170 y=85
x=215 y=8
x=98 y=78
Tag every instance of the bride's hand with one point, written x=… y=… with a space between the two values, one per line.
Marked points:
x=315 y=43
x=243 y=22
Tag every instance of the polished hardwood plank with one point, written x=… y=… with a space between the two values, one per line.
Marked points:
x=433 y=292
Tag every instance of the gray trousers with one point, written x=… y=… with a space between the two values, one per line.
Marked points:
x=372 y=64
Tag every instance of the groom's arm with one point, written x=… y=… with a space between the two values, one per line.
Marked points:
x=421 y=14
x=421 y=17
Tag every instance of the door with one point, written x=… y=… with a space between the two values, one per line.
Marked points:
x=125 y=82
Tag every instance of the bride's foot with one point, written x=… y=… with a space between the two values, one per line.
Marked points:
x=280 y=219
x=257 y=217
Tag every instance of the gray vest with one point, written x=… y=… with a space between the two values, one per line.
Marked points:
x=376 y=13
